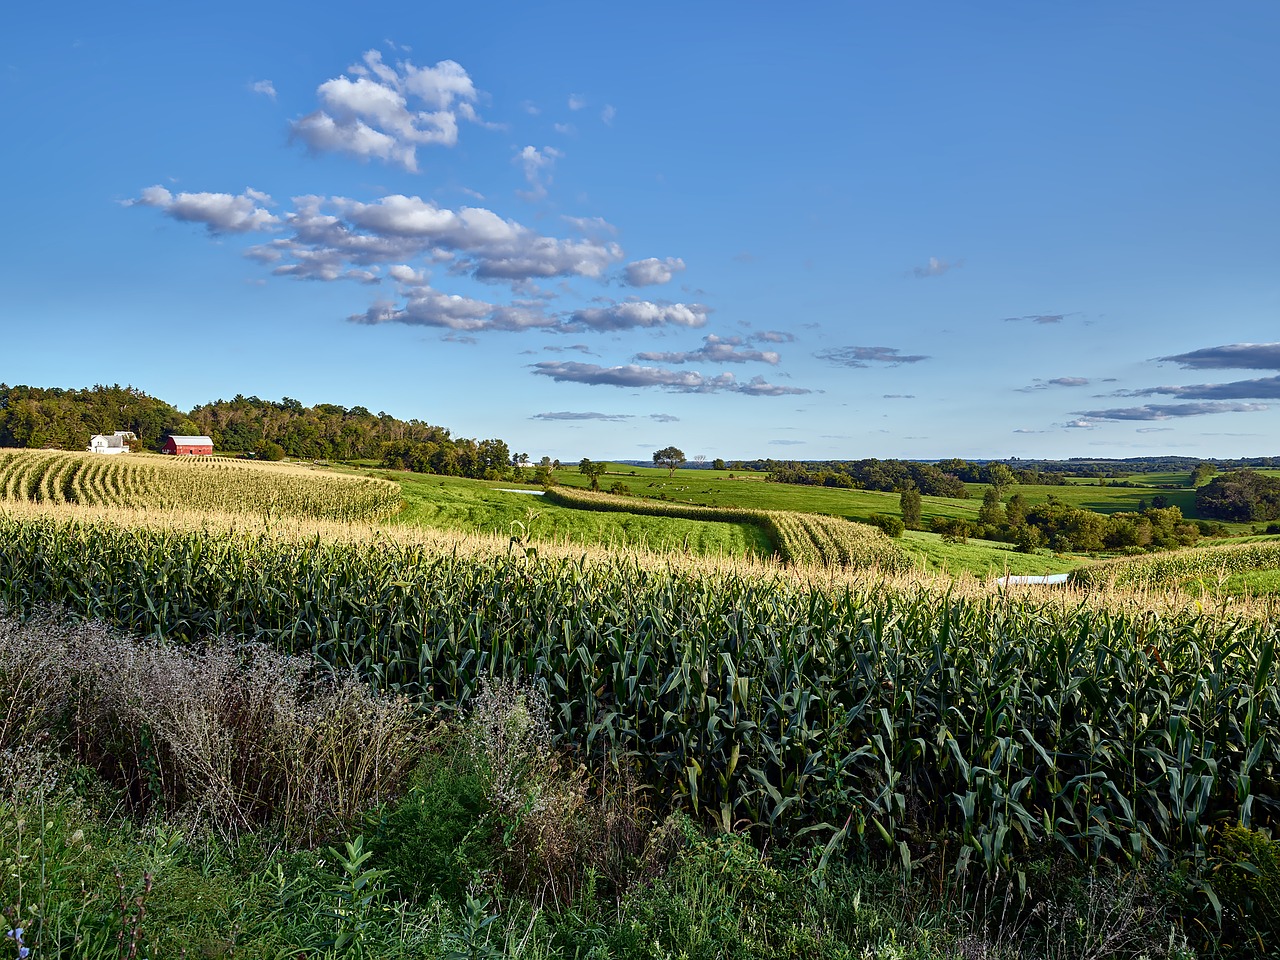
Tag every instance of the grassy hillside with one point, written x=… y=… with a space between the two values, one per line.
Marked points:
x=474 y=506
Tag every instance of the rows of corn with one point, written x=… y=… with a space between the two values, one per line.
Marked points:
x=1004 y=723
x=214 y=484
x=1182 y=566
x=797 y=538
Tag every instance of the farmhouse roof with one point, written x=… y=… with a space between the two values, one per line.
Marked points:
x=192 y=441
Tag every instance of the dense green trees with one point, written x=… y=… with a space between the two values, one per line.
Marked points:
x=871 y=474
x=66 y=419
x=1242 y=495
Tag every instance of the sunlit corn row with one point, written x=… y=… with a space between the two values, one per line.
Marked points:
x=1003 y=721
x=798 y=538
x=1206 y=563
x=153 y=483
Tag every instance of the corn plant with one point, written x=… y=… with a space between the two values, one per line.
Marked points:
x=756 y=698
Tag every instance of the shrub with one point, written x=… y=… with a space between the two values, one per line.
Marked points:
x=436 y=837
x=891 y=525
x=1247 y=881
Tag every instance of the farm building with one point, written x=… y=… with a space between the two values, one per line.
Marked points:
x=188 y=446
x=117 y=442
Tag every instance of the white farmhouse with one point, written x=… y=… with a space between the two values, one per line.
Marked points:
x=116 y=443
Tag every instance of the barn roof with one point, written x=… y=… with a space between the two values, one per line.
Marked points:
x=192 y=441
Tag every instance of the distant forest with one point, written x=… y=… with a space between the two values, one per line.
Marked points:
x=66 y=419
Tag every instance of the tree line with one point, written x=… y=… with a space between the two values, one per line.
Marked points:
x=66 y=419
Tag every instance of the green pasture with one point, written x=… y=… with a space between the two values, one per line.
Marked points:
x=474 y=506
x=714 y=488
x=985 y=559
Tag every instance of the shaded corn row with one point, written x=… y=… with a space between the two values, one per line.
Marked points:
x=999 y=721
x=164 y=484
x=798 y=538
x=1166 y=569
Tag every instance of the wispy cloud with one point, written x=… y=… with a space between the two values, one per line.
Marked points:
x=586 y=415
x=264 y=87
x=772 y=336
x=1231 y=356
x=935 y=268
x=866 y=356
x=664 y=418
x=678 y=381
x=577 y=101
x=537 y=165
x=713 y=350
x=1264 y=388
x=1041 y=318
x=1169 y=411
x=1039 y=384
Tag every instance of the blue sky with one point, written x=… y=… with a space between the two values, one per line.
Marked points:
x=804 y=231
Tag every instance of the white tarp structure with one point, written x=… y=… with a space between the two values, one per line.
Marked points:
x=1011 y=580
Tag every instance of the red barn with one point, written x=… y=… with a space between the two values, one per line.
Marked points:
x=188 y=446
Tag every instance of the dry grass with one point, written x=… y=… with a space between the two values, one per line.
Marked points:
x=226 y=736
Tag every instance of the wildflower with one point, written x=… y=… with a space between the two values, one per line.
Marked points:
x=16 y=936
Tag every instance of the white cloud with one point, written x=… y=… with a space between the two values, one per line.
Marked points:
x=431 y=308
x=630 y=314
x=405 y=274
x=577 y=101
x=264 y=87
x=608 y=113
x=219 y=212
x=397 y=229
x=652 y=271
x=386 y=113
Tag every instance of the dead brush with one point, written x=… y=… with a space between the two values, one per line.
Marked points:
x=560 y=827
x=34 y=677
x=225 y=736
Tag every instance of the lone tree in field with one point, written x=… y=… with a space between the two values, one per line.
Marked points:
x=669 y=457
x=909 y=504
x=593 y=472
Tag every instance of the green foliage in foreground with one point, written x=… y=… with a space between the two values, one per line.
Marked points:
x=83 y=887
x=890 y=715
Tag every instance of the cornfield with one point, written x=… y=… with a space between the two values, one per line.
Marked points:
x=1000 y=721
x=798 y=538
x=1181 y=566
x=213 y=484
